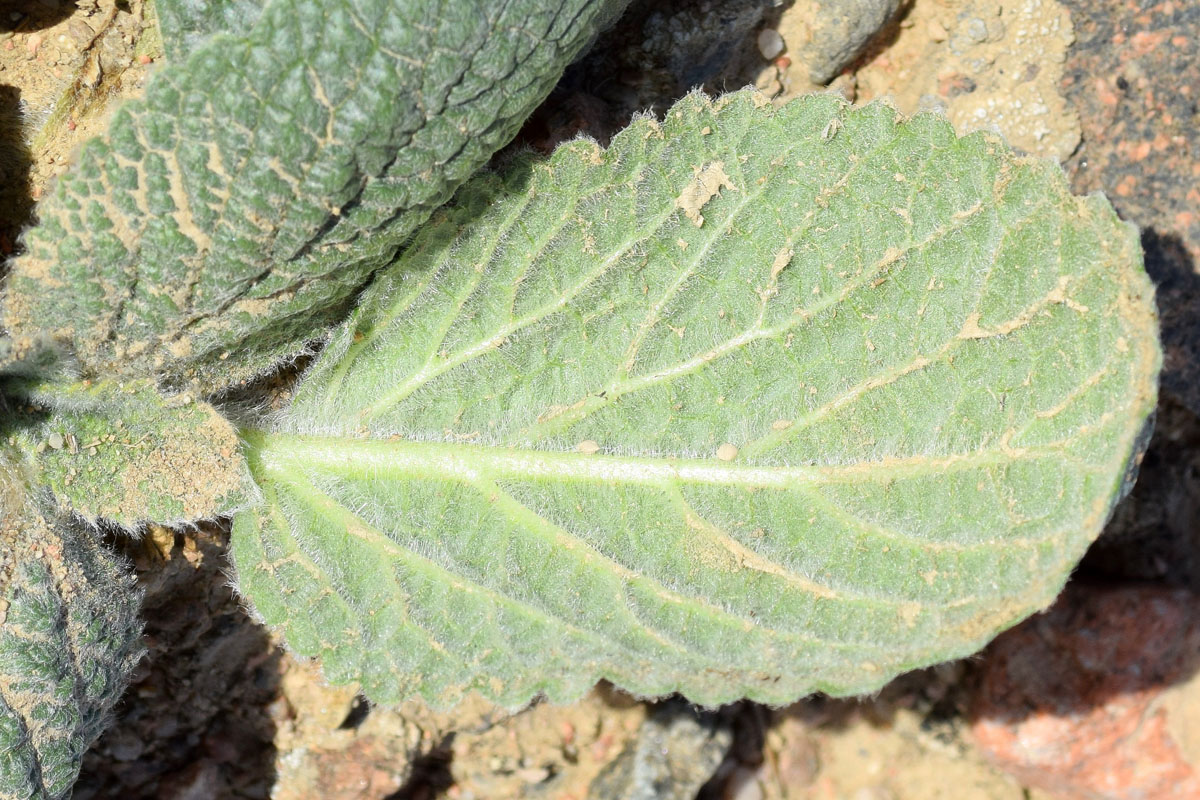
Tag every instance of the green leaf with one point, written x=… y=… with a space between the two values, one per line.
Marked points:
x=233 y=211
x=125 y=454
x=185 y=24
x=69 y=639
x=756 y=402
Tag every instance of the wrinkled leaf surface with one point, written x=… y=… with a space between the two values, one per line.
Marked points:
x=755 y=402
x=228 y=216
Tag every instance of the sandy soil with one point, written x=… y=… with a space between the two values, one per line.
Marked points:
x=61 y=67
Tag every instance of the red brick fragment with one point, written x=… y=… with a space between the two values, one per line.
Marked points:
x=1092 y=700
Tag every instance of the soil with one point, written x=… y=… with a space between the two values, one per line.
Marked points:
x=218 y=709
x=62 y=65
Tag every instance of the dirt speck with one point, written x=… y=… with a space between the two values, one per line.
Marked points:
x=708 y=183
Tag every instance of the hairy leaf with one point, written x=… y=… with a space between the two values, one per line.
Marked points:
x=185 y=24
x=125 y=454
x=69 y=639
x=755 y=402
x=228 y=215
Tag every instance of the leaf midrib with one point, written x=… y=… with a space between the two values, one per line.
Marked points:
x=467 y=463
x=300 y=481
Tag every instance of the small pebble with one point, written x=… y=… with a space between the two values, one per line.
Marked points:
x=80 y=32
x=55 y=440
x=977 y=29
x=770 y=43
x=533 y=774
x=744 y=784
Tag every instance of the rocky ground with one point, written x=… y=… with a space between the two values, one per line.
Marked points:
x=1097 y=698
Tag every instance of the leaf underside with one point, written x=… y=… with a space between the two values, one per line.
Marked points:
x=228 y=215
x=755 y=402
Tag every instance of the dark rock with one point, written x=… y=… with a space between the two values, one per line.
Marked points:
x=840 y=29
x=675 y=753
